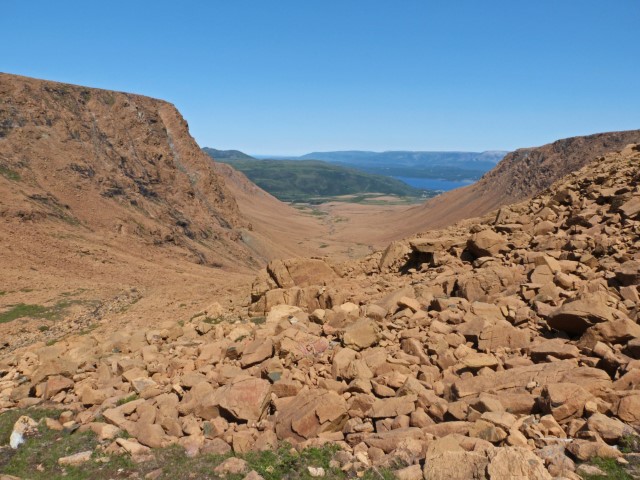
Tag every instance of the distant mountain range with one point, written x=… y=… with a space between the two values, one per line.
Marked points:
x=312 y=180
x=455 y=166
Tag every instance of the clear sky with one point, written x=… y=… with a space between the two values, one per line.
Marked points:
x=294 y=76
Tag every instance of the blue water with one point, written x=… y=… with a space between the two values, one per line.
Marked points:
x=433 y=184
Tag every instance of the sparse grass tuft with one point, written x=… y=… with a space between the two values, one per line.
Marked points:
x=10 y=174
x=128 y=399
x=612 y=469
x=258 y=320
x=630 y=444
x=213 y=320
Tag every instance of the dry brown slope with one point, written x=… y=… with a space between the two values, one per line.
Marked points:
x=113 y=162
x=101 y=192
x=520 y=175
x=338 y=230
x=275 y=229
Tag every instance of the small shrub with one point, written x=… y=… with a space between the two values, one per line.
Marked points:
x=258 y=320
x=130 y=398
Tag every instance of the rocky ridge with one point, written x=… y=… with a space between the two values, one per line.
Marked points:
x=519 y=175
x=505 y=345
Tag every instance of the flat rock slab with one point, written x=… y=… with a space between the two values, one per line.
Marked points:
x=518 y=378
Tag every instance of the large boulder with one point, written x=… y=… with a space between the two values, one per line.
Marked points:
x=310 y=413
x=361 y=334
x=300 y=272
x=578 y=315
x=486 y=243
x=564 y=400
x=245 y=398
x=591 y=379
x=505 y=463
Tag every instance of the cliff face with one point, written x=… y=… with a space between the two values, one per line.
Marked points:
x=113 y=162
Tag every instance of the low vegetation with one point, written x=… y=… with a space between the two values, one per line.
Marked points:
x=9 y=174
x=25 y=310
x=611 y=468
x=37 y=458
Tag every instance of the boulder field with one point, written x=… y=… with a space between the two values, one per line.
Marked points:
x=502 y=347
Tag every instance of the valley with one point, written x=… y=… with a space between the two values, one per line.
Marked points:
x=157 y=306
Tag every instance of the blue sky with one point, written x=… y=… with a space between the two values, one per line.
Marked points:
x=294 y=76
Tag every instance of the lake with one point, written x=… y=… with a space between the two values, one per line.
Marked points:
x=434 y=184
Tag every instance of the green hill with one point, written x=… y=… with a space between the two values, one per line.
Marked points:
x=222 y=155
x=312 y=180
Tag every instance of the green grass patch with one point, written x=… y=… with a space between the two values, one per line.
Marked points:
x=10 y=174
x=286 y=462
x=22 y=310
x=612 y=469
x=37 y=458
x=25 y=310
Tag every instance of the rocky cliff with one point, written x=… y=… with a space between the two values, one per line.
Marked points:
x=113 y=162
